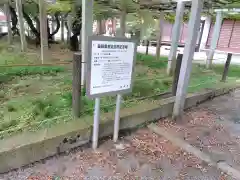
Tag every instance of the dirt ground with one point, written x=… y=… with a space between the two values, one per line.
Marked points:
x=142 y=155
x=213 y=127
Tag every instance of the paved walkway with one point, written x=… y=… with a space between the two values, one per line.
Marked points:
x=213 y=128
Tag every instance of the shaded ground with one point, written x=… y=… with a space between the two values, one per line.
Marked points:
x=214 y=128
x=142 y=155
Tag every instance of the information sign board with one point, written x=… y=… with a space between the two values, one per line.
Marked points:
x=110 y=64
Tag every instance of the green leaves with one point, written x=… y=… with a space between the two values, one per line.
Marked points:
x=60 y=6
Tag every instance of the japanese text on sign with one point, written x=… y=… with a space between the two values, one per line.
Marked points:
x=111 y=66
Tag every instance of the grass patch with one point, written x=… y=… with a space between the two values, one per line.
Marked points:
x=234 y=70
x=7 y=74
x=13 y=56
x=38 y=96
x=150 y=61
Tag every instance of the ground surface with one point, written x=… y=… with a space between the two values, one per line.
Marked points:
x=142 y=155
x=213 y=127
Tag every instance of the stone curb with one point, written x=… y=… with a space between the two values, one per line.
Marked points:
x=30 y=147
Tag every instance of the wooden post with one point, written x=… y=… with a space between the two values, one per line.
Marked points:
x=147 y=47
x=7 y=13
x=76 y=84
x=176 y=74
x=43 y=30
x=21 y=25
x=226 y=67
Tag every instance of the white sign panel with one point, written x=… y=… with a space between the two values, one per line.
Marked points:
x=111 y=65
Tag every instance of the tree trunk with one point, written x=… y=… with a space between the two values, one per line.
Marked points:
x=113 y=26
x=43 y=30
x=103 y=26
x=7 y=13
x=56 y=15
x=159 y=35
x=52 y=27
x=100 y=27
x=62 y=28
x=21 y=25
x=123 y=23
x=76 y=29
x=14 y=21
x=69 y=27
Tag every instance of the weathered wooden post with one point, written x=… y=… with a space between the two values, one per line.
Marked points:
x=76 y=84
x=226 y=67
x=147 y=46
x=159 y=36
x=176 y=74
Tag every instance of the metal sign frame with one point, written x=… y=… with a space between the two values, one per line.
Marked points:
x=89 y=64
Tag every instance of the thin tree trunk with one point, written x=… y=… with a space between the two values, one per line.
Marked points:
x=113 y=26
x=8 y=15
x=123 y=23
x=103 y=26
x=69 y=24
x=43 y=30
x=52 y=27
x=159 y=36
x=98 y=27
x=21 y=25
x=62 y=28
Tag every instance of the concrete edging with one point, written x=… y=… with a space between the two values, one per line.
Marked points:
x=30 y=147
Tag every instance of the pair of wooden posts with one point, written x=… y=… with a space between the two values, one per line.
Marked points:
x=178 y=69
